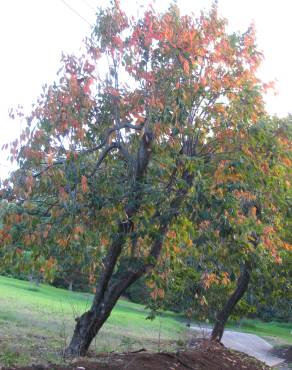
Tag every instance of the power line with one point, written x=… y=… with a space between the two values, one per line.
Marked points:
x=89 y=5
x=4 y=165
x=76 y=12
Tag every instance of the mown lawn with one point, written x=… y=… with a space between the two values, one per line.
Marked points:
x=277 y=330
x=36 y=324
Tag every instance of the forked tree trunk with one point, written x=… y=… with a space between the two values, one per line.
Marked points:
x=108 y=292
x=224 y=314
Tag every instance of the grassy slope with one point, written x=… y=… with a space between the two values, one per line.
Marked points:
x=36 y=323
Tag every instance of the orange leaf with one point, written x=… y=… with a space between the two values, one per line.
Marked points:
x=50 y=159
x=286 y=161
x=84 y=184
x=186 y=67
x=253 y=212
x=287 y=246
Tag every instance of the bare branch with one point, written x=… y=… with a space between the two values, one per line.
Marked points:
x=45 y=169
x=107 y=136
x=103 y=154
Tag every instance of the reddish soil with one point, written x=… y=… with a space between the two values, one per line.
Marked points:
x=204 y=356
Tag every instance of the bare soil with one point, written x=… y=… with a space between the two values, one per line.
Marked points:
x=204 y=355
x=286 y=353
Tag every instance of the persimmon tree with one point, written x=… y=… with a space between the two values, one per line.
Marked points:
x=109 y=158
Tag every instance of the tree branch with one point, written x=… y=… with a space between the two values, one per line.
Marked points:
x=107 y=136
x=45 y=169
x=103 y=154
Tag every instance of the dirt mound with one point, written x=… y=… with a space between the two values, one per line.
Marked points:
x=288 y=354
x=205 y=355
x=283 y=352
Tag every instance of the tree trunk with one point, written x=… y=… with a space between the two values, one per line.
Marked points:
x=88 y=325
x=107 y=295
x=107 y=292
x=224 y=314
x=242 y=283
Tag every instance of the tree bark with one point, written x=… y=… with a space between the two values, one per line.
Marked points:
x=107 y=294
x=224 y=314
x=242 y=282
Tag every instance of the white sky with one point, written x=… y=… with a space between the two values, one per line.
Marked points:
x=33 y=34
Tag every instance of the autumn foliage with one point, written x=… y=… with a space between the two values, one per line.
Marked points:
x=112 y=152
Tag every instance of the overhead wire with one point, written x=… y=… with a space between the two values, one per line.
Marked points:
x=81 y=17
x=89 y=5
x=76 y=12
x=4 y=165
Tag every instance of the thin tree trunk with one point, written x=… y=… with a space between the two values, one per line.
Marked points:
x=224 y=314
x=242 y=282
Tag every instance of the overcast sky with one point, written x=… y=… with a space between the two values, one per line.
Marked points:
x=33 y=34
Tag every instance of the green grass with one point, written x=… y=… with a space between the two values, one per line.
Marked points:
x=36 y=324
x=276 y=330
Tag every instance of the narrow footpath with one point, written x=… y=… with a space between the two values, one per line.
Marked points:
x=250 y=344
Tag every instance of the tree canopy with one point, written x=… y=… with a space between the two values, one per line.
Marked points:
x=111 y=160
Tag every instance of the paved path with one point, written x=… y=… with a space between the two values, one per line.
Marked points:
x=250 y=344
